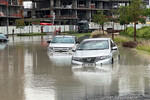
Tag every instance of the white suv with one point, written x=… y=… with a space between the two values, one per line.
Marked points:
x=63 y=43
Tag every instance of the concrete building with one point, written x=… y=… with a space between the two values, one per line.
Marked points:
x=14 y=11
x=147 y=3
x=70 y=11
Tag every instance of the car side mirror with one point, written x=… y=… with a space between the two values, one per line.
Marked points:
x=48 y=41
x=114 y=48
x=6 y=36
x=73 y=50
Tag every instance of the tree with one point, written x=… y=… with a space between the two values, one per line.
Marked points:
x=124 y=16
x=147 y=12
x=20 y=24
x=29 y=23
x=100 y=18
x=136 y=10
x=114 y=19
x=36 y=21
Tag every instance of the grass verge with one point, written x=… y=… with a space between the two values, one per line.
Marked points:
x=77 y=34
x=144 y=46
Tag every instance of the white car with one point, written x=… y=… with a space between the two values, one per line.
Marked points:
x=3 y=37
x=63 y=43
x=96 y=51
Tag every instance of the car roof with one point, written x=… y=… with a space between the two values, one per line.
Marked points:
x=64 y=36
x=92 y=39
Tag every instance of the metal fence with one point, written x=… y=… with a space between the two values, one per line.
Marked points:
x=52 y=28
x=37 y=29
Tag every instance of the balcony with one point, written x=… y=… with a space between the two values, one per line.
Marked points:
x=16 y=15
x=2 y=14
x=66 y=17
x=13 y=3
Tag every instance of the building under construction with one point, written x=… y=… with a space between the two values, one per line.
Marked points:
x=70 y=11
x=57 y=11
x=10 y=10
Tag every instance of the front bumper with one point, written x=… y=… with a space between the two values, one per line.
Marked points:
x=98 y=63
x=60 y=49
x=3 y=39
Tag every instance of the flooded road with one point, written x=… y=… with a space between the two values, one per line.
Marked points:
x=29 y=72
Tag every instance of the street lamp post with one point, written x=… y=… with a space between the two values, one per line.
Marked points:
x=53 y=21
x=7 y=20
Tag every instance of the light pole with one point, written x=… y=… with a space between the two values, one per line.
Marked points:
x=7 y=20
x=53 y=23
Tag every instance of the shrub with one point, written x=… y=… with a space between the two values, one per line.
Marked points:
x=144 y=27
x=130 y=31
x=129 y=44
x=141 y=33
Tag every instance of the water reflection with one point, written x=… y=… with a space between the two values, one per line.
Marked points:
x=3 y=45
x=98 y=81
x=29 y=72
x=132 y=57
x=60 y=58
x=134 y=73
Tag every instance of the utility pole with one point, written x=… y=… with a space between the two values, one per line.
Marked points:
x=53 y=21
x=7 y=20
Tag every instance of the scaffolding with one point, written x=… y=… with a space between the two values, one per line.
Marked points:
x=21 y=12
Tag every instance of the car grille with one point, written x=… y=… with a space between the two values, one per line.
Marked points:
x=61 y=49
x=89 y=59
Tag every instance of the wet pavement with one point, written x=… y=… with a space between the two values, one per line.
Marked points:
x=28 y=71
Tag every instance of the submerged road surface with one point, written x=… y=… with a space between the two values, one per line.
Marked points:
x=29 y=72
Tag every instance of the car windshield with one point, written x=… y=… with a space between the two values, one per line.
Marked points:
x=63 y=40
x=94 y=45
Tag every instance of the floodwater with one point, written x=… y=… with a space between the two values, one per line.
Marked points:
x=29 y=72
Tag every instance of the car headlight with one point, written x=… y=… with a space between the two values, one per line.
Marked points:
x=103 y=57
x=72 y=48
x=76 y=58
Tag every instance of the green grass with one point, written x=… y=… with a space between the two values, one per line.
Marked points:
x=121 y=39
x=31 y=34
x=143 y=32
x=79 y=34
x=144 y=46
x=69 y=32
